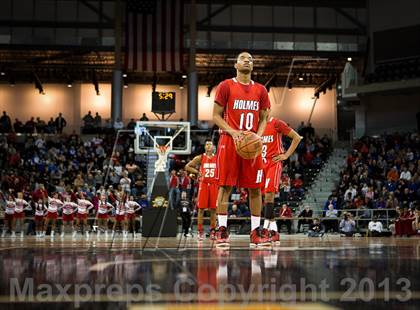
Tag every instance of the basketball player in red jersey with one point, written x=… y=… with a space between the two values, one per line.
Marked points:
x=240 y=105
x=272 y=155
x=207 y=190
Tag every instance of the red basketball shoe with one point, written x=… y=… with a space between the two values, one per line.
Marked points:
x=222 y=237
x=260 y=238
x=275 y=237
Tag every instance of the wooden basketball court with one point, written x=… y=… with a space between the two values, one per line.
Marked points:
x=158 y=273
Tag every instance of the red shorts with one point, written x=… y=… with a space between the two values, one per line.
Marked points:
x=9 y=217
x=52 y=215
x=272 y=177
x=103 y=216
x=120 y=218
x=234 y=170
x=82 y=216
x=131 y=216
x=19 y=215
x=39 y=218
x=207 y=195
x=68 y=217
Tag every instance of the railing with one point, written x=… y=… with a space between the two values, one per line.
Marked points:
x=294 y=218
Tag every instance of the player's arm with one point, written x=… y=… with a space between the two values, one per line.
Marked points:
x=193 y=165
x=296 y=138
x=218 y=119
x=263 y=121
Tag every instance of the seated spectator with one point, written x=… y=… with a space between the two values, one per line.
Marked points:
x=331 y=222
x=392 y=175
x=284 y=187
x=118 y=124
x=316 y=229
x=306 y=213
x=405 y=174
x=347 y=225
x=144 y=202
x=351 y=193
x=131 y=124
x=375 y=229
x=234 y=211
x=284 y=214
x=317 y=161
x=297 y=185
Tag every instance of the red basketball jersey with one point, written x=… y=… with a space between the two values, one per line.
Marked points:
x=242 y=103
x=272 y=135
x=208 y=169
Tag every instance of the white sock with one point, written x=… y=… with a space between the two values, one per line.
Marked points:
x=266 y=224
x=222 y=272
x=222 y=220
x=255 y=268
x=273 y=226
x=255 y=222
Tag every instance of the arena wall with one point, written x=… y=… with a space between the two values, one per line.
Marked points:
x=23 y=101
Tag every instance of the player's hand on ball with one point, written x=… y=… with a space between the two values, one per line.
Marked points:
x=279 y=157
x=237 y=135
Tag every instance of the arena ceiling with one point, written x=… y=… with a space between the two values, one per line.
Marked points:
x=61 y=64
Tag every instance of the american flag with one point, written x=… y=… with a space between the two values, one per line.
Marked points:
x=154 y=35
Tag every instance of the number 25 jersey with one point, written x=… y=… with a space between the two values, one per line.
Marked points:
x=242 y=103
x=208 y=169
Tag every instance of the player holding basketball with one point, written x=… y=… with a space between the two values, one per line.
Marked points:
x=240 y=105
x=205 y=167
x=272 y=155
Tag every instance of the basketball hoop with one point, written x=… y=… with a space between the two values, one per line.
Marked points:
x=162 y=151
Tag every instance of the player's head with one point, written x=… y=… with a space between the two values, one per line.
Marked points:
x=208 y=146
x=183 y=195
x=244 y=63
x=20 y=195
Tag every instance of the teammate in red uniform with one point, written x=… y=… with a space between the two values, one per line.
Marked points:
x=240 y=105
x=205 y=166
x=272 y=155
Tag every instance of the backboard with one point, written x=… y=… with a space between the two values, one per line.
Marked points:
x=152 y=134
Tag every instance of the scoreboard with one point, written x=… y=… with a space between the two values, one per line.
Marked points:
x=163 y=102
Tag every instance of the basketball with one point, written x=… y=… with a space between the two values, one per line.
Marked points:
x=250 y=146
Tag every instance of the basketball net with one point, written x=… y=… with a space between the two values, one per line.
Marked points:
x=162 y=151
